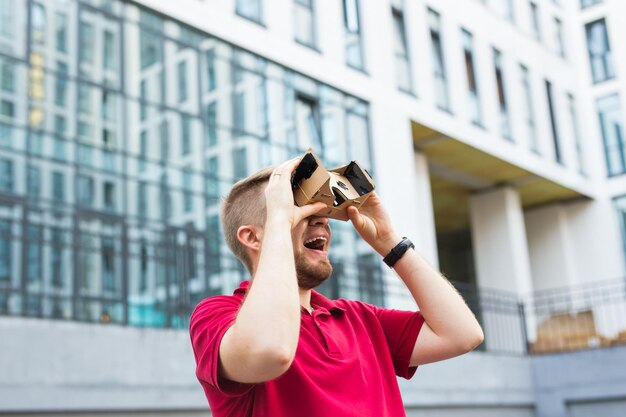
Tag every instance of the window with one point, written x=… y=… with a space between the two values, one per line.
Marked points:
x=143 y=150
x=212 y=178
x=401 y=51
x=439 y=68
x=60 y=86
x=213 y=242
x=149 y=41
x=505 y=129
x=6 y=18
x=529 y=116
x=239 y=114
x=587 y=3
x=84 y=99
x=58 y=186
x=211 y=77
x=308 y=124
x=188 y=190
x=534 y=16
x=472 y=87
x=574 y=125
x=33 y=253
x=370 y=279
x=38 y=24
x=34 y=182
x=56 y=257
x=558 y=35
x=600 y=56
x=109 y=195
x=553 y=123
x=352 y=26
x=5 y=251
x=611 y=125
x=182 y=81
x=211 y=124
x=59 y=150
x=142 y=200
x=61 y=31
x=7 y=109
x=304 y=22
x=86 y=41
x=143 y=267
x=240 y=163
x=85 y=191
x=185 y=134
x=107 y=250
x=505 y=9
x=109 y=50
x=143 y=97
x=109 y=105
x=250 y=9
x=7 y=74
x=6 y=175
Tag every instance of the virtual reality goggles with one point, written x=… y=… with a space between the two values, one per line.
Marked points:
x=338 y=188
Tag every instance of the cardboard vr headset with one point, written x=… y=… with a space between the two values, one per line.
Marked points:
x=338 y=188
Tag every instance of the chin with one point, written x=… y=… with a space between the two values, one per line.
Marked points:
x=311 y=276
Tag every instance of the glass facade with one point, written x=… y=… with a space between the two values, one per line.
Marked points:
x=115 y=149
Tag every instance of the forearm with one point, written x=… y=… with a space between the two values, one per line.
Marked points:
x=270 y=314
x=442 y=307
x=262 y=342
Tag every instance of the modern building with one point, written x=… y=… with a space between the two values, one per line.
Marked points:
x=494 y=130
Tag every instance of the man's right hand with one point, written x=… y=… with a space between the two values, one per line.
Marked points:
x=279 y=196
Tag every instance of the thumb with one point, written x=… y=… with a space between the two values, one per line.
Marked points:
x=355 y=217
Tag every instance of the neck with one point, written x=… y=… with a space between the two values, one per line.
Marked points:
x=305 y=299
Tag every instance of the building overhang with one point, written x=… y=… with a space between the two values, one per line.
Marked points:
x=458 y=170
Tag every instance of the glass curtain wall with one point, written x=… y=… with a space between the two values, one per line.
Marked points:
x=119 y=132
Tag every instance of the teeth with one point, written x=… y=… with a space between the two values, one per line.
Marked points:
x=316 y=238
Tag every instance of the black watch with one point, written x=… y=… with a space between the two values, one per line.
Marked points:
x=398 y=251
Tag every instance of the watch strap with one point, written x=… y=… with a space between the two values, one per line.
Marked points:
x=398 y=251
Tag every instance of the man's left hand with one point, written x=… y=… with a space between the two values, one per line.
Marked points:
x=374 y=225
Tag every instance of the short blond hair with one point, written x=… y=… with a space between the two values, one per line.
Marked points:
x=244 y=205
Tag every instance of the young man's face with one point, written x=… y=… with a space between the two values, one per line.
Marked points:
x=311 y=241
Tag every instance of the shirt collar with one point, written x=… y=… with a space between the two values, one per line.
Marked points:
x=317 y=299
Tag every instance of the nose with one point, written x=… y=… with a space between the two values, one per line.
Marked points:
x=318 y=221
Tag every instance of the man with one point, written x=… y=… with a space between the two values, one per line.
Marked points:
x=277 y=348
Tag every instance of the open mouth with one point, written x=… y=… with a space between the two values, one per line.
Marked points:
x=316 y=243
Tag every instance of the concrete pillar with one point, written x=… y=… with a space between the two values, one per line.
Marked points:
x=427 y=237
x=550 y=248
x=499 y=240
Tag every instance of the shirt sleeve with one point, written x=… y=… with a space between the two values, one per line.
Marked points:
x=401 y=329
x=208 y=324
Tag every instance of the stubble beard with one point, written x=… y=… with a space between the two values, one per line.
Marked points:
x=311 y=275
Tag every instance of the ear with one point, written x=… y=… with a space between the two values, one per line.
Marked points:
x=250 y=237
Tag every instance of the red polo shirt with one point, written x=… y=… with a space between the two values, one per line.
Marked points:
x=346 y=363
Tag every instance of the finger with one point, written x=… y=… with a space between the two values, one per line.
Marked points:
x=355 y=217
x=311 y=209
x=283 y=171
